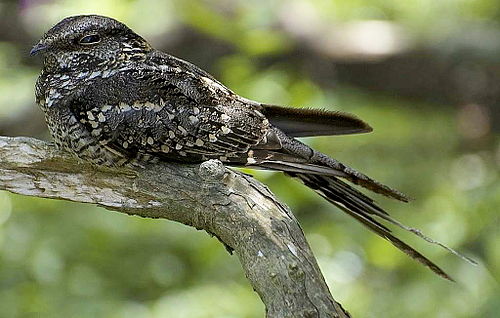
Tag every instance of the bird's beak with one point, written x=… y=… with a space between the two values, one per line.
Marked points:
x=39 y=47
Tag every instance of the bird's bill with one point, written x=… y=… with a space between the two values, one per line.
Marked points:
x=39 y=47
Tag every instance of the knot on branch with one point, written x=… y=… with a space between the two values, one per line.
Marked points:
x=212 y=170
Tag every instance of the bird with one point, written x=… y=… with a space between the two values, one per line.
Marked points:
x=111 y=99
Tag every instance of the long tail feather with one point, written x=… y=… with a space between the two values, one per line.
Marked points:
x=321 y=173
x=363 y=209
x=297 y=148
x=304 y=122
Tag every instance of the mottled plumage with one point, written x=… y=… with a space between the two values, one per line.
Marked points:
x=111 y=99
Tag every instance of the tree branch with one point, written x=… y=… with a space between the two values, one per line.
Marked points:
x=241 y=212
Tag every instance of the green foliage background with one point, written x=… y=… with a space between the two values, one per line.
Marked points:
x=61 y=259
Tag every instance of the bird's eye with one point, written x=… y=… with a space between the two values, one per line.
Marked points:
x=90 y=39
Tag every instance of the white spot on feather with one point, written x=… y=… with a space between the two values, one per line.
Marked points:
x=157 y=108
x=101 y=117
x=165 y=148
x=225 y=130
x=193 y=119
x=182 y=130
x=105 y=108
x=212 y=138
x=66 y=83
x=149 y=105
x=82 y=74
x=94 y=74
x=107 y=73
x=124 y=107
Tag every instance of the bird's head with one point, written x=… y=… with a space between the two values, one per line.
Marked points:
x=88 y=41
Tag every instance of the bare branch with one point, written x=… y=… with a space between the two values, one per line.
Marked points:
x=241 y=212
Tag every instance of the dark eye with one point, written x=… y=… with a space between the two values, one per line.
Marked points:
x=90 y=39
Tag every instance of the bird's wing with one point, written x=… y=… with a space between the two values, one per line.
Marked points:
x=167 y=113
x=295 y=122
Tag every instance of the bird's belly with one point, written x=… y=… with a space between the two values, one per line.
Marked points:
x=70 y=135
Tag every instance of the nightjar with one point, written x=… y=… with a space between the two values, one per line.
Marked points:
x=111 y=99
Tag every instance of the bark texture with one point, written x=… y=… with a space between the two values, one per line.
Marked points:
x=241 y=212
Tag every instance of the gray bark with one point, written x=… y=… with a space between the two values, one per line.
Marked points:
x=241 y=212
